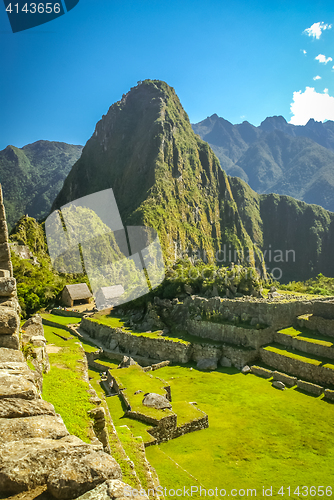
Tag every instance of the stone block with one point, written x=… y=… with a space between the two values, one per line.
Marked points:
x=41 y=426
x=10 y=341
x=3 y=231
x=16 y=386
x=11 y=355
x=4 y=273
x=317 y=390
x=17 y=368
x=286 y=379
x=9 y=321
x=113 y=490
x=262 y=372
x=4 y=251
x=38 y=341
x=207 y=364
x=246 y=369
x=76 y=476
x=325 y=309
x=11 y=302
x=7 y=286
x=225 y=362
x=28 y=463
x=34 y=326
x=12 y=408
x=7 y=266
x=329 y=394
x=278 y=385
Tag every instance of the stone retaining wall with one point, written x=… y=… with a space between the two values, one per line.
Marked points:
x=230 y=334
x=286 y=379
x=322 y=325
x=304 y=346
x=264 y=312
x=325 y=309
x=317 y=390
x=164 y=349
x=296 y=367
x=73 y=314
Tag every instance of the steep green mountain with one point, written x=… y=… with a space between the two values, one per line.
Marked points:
x=164 y=176
x=297 y=239
x=277 y=156
x=32 y=176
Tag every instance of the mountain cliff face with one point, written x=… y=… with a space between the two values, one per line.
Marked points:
x=32 y=176
x=164 y=176
x=277 y=157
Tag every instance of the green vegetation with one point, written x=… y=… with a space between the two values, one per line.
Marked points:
x=38 y=285
x=321 y=285
x=32 y=176
x=64 y=386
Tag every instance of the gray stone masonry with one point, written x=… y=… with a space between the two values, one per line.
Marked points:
x=317 y=390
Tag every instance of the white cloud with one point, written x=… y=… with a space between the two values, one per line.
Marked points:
x=304 y=52
x=323 y=59
x=317 y=77
x=316 y=29
x=311 y=104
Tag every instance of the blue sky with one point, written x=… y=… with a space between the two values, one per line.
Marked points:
x=244 y=60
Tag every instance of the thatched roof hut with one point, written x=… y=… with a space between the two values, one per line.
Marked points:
x=78 y=293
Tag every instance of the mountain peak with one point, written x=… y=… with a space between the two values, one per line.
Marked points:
x=274 y=122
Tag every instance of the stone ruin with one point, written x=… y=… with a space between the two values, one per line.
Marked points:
x=36 y=449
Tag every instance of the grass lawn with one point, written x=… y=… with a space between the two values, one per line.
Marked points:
x=257 y=436
x=61 y=320
x=64 y=386
x=254 y=432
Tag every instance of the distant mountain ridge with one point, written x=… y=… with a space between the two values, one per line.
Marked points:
x=164 y=176
x=32 y=176
x=276 y=157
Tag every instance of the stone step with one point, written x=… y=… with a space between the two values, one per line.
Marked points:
x=316 y=369
x=306 y=341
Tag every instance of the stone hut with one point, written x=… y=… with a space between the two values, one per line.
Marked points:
x=106 y=296
x=76 y=294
